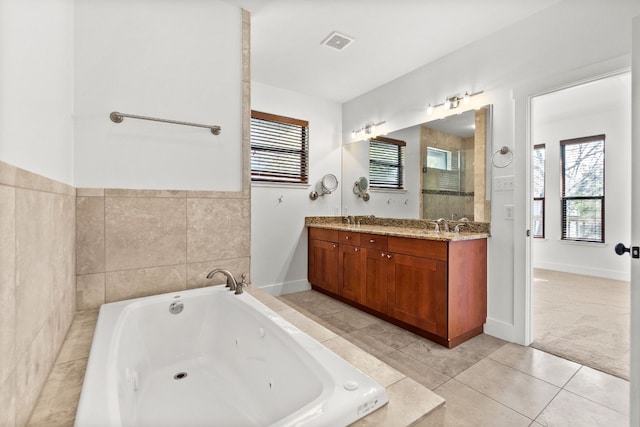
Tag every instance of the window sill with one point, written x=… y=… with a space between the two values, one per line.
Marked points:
x=579 y=243
x=387 y=190
x=280 y=185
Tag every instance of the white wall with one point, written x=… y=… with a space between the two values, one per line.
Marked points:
x=36 y=86
x=278 y=234
x=615 y=122
x=391 y=203
x=499 y=64
x=177 y=60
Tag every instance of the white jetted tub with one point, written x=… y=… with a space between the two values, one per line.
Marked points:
x=208 y=357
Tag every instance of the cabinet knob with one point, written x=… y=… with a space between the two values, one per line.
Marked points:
x=372 y=241
x=335 y=246
x=388 y=256
x=357 y=249
x=347 y=237
x=382 y=254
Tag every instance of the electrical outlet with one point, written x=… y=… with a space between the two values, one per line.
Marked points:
x=346 y=210
x=508 y=211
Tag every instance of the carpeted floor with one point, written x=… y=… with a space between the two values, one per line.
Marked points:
x=582 y=318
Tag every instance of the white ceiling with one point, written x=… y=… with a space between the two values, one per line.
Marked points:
x=392 y=38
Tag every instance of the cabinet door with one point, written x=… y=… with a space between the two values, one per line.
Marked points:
x=376 y=279
x=323 y=264
x=418 y=292
x=350 y=277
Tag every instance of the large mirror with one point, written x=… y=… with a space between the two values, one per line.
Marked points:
x=453 y=161
x=447 y=171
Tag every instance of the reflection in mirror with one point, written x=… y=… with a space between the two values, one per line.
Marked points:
x=360 y=188
x=453 y=163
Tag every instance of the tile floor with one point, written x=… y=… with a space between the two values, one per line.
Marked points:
x=485 y=381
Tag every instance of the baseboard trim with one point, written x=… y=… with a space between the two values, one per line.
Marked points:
x=624 y=276
x=500 y=329
x=278 y=289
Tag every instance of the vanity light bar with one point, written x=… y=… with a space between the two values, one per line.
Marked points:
x=368 y=129
x=452 y=102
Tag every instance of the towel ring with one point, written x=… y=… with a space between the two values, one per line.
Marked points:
x=505 y=158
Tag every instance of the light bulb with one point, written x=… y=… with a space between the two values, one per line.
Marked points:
x=430 y=109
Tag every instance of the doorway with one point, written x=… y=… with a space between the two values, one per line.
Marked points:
x=580 y=287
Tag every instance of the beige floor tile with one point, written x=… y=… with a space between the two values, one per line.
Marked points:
x=607 y=390
x=77 y=344
x=368 y=343
x=59 y=398
x=517 y=390
x=390 y=334
x=362 y=360
x=448 y=361
x=482 y=344
x=420 y=372
x=544 y=366
x=409 y=400
x=306 y=325
x=356 y=318
x=568 y=409
x=466 y=407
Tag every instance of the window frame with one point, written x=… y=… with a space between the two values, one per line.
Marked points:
x=258 y=176
x=564 y=199
x=544 y=191
x=399 y=163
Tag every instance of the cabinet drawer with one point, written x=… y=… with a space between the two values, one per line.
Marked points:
x=373 y=241
x=434 y=249
x=323 y=234
x=349 y=238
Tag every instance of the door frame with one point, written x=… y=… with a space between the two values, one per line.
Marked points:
x=522 y=101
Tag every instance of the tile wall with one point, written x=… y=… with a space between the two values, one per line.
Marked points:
x=37 y=284
x=133 y=243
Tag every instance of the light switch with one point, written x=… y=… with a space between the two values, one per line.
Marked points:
x=508 y=211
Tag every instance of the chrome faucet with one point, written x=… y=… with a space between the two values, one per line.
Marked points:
x=231 y=281
x=457 y=228
x=445 y=222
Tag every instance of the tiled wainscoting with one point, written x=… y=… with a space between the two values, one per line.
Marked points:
x=64 y=248
x=133 y=243
x=37 y=284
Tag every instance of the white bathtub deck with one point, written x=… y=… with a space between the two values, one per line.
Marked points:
x=410 y=403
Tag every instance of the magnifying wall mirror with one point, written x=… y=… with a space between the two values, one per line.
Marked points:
x=327 y=185
x=360 y=188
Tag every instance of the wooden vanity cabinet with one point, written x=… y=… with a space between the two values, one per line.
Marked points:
x=437 y=289
x=323 y=259
x=376 y=272
x=350 y=277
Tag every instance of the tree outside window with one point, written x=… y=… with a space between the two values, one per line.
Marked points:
x=582 y=162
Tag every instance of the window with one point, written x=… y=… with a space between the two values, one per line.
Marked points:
x=582 y=163
x=386 y=163
x=438 y=159
x=538 y=190
x=279 y=149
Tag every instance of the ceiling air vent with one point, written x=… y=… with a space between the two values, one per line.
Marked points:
x=337 y=41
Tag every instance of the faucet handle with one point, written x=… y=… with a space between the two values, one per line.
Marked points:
x=241 y=284
x=457 y=229
x=436 y=227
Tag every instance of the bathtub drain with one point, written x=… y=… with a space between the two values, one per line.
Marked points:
x=180 y=376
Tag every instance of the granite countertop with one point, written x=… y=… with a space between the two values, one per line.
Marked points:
x=420 y=229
